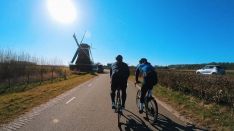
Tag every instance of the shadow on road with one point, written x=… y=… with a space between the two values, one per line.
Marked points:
x=166 y=124
x=135 y=123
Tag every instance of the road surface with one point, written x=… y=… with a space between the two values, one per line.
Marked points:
x=88 y=107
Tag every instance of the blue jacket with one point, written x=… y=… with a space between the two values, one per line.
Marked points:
x=143 y=69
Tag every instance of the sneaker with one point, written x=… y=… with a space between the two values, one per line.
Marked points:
x=140 y=111
x=121 y=111
x=123 y=107
x=113 y=105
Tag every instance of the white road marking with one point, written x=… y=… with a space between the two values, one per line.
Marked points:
x=70 y=100
x=90 y=85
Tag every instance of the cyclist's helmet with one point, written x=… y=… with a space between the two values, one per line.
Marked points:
x=143 y=60
x=119 y=58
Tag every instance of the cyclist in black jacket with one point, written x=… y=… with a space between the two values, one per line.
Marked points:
x=119 y=74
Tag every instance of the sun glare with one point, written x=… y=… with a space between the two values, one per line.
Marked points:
x=62 y=11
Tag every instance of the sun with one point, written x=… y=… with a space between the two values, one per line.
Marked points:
x=63 y=11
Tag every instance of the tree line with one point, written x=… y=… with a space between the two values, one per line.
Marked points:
x=225 y=65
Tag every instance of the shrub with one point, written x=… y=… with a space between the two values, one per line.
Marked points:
x=215 y=88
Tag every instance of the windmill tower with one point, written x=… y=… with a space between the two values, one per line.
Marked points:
x=83 y=57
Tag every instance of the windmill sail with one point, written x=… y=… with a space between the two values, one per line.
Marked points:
x=81 y=48
x=74 y=57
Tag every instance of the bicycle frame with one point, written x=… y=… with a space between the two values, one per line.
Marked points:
x=148 y=94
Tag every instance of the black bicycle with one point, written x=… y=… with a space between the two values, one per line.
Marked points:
x=118 y=105
x=150 y=106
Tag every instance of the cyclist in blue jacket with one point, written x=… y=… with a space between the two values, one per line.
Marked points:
x=149 y=79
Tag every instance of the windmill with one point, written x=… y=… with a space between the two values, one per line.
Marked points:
x=83 y=57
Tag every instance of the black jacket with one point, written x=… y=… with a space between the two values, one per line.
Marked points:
x=119 y=70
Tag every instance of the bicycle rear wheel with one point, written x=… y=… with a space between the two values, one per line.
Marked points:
x=119 y=115
x=138 y=97
x=152 y=110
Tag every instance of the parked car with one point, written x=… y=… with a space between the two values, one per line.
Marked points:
x=211 y=70
x=100 y=69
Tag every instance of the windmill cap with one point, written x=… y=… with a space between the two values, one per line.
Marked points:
x=119 y=58
x=84 y=45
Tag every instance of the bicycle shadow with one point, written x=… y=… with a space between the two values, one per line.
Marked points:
x=166 y=124
x=133 y=122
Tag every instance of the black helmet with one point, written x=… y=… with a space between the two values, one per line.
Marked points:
x=119 y=58
x=143 y=60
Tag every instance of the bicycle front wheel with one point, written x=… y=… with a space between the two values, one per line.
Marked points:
x=152 y=110
x=138 y=97
x=118 y=105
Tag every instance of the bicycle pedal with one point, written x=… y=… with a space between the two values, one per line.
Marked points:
x=120 y=112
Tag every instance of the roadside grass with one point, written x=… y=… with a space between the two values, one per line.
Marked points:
x=19 y=87
x=210 y=115
x=230 y=73
x=205 y=114
x=17 y=103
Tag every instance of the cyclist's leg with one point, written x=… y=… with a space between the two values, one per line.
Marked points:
x=124 y=94
x=143 y=93
x=112 y=94
x=142 y=99
x=150 y=90
x=113 y=89
x=150 y=85
x=152 y=113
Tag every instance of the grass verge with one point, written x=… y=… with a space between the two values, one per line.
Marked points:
x=211 y=115
x=15 y=104
x=204 y=114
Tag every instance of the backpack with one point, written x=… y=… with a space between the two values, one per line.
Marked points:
x=149 y=74
x=154 y=77
x=119 y=71
x=151 y=77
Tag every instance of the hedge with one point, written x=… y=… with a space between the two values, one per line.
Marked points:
x=215 y=88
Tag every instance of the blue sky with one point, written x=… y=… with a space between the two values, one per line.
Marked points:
x=164 y=31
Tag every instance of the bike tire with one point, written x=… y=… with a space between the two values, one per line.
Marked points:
x=152 y=110
x=138 y=97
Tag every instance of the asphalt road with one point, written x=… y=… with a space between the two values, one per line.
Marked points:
x=88 y=107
